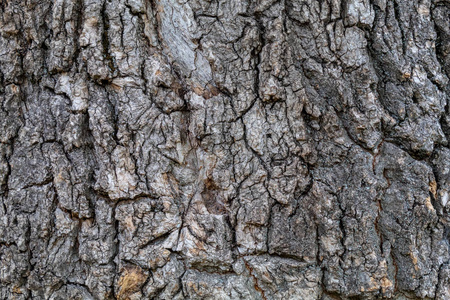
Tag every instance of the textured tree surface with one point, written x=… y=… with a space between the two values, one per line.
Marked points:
x=226 y=149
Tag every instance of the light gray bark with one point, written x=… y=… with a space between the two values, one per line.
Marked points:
x=226 y=149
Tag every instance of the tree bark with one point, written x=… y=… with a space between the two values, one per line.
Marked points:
x=168 y=149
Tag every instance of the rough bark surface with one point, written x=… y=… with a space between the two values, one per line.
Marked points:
x=225 y=149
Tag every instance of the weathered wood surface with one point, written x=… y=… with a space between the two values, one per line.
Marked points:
x=224 y=149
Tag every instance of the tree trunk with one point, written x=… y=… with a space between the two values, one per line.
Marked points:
x=168 y=149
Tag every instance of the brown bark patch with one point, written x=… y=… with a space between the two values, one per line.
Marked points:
x=130 y=281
